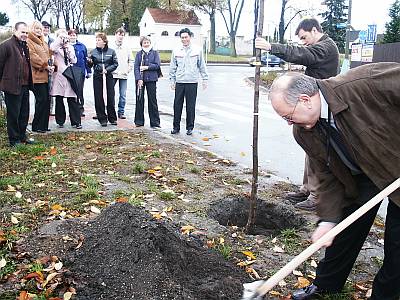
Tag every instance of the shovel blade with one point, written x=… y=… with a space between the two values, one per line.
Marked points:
x=250 y=290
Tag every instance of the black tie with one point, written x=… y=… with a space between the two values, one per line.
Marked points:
x=340 y=146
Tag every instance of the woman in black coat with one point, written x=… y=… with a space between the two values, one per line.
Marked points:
x=104 y=62
x=147 y=70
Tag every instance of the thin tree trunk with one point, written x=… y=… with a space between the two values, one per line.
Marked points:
x=254 y=184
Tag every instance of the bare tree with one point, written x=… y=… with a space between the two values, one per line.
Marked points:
x=234 y=17
x=38 y=7
x=283 y=26
x=57 y=6
x=77 y=13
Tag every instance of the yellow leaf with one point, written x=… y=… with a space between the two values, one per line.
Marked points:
x=205 y=139
x=187 y=229
x=221 y=240
x=10 y=188
x=302 y=282
x=57 y=207
x=158 y=168
x=18 y=195
x=49 y=278
x=245 y=263
x=275 y=293
x=278 y=249
x=156 y=215
x=53 y=151
x=14 y=220
x=190 y=162
x=249 y=254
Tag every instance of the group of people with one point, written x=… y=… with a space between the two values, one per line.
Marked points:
x=348 y=126
x=45 y=62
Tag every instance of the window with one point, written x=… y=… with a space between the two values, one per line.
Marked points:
x=164 y=33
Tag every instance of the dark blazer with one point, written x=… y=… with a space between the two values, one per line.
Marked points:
x=366 y=108
x=321 y=59
x=11 y=67
x=106 y=57
x=151 y=59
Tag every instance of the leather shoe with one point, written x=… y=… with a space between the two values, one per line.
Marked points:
x=189 y=132
x=174 y=131
x=309 y=205
x=121 y=116
x=306 y=293
x=297 y=196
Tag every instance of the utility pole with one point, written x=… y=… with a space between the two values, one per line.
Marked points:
x=348 y=26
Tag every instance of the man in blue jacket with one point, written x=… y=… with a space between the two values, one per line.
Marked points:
x=81 y=55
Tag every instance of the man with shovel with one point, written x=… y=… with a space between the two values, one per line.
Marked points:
x=348 y=125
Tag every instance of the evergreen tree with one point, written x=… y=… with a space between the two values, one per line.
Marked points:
x=335 y=15
x=392 y=33
x=137 y=9
x=3 y=19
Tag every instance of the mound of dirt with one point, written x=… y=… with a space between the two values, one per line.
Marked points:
x=128 y=255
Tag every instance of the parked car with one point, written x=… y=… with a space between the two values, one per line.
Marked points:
x=273 y=61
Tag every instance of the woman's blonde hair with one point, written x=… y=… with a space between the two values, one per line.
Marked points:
x=35 y=24
x=61 y=31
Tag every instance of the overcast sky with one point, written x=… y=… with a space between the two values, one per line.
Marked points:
x=364 y=12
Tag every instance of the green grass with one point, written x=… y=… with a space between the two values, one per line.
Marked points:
x=195 y=170
x=167 y=195
x=165 y=57
x=225 y=250
x=138 y=168
x=91 y=188
x=35 y=267
x=291 y=240
x=152 y=187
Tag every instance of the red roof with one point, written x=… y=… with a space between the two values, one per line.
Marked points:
x=174 y=16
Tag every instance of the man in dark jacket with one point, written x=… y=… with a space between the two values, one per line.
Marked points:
x=320 y=55
x=348 y=125
x=15 y=82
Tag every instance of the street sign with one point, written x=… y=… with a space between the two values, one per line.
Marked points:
x=371 y=34
x=362 y=35
x=341 y=25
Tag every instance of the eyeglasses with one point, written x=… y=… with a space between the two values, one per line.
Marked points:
x=289 y=117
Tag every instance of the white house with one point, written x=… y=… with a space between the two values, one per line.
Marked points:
x=163 y=27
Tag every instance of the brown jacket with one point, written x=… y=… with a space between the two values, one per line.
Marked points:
x=11 y=67
x=39 y=54
x=365 y=105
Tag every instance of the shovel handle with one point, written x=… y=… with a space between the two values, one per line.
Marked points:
x=299 y=259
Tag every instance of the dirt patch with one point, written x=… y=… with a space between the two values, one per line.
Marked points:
x=126 y=254
x=271 y=218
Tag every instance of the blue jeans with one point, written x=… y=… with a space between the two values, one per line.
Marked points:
x=123 y=83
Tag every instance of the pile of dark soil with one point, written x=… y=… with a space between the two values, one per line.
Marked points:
x=128 y=255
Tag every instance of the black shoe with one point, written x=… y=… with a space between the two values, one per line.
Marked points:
x=189 y=132
x=309 y=292
x=121 y=116
x=48 y=129
x=103 y=124
x=39 y=131
x=297 y=196
x=78 y=126
x=29 y=142
x=95 y=118
x=60 y=125
x=156 y=127
x=114 y=123
x=174 y=131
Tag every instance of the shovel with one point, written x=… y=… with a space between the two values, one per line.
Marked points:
x=257 y=289
x=104 y=87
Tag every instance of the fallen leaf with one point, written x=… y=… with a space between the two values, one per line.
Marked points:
x=278 y=249
x=58 y=266
x=242 y=154
x=18 y=195
x=53 y=165
x=368 y=294
x=313 y=264
x=156 y=215
x=282 y=283
x=187 y=229
x=67 y=296
x=121 y=200
x=3 y=263
x=53 y=151
x=190 y=162
x=57 y=207
x=249 y=254
x=14 y=220
x=297 y=273
x=40 y=157
x=10 y=188
x=206 y=139
x=94 y=209
x=49 y=278
x=302 y=282
x=360 y=287
x=274 y=240
x=23 y=295
x=245 y=263
x=221 y=240
x=274 y=293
